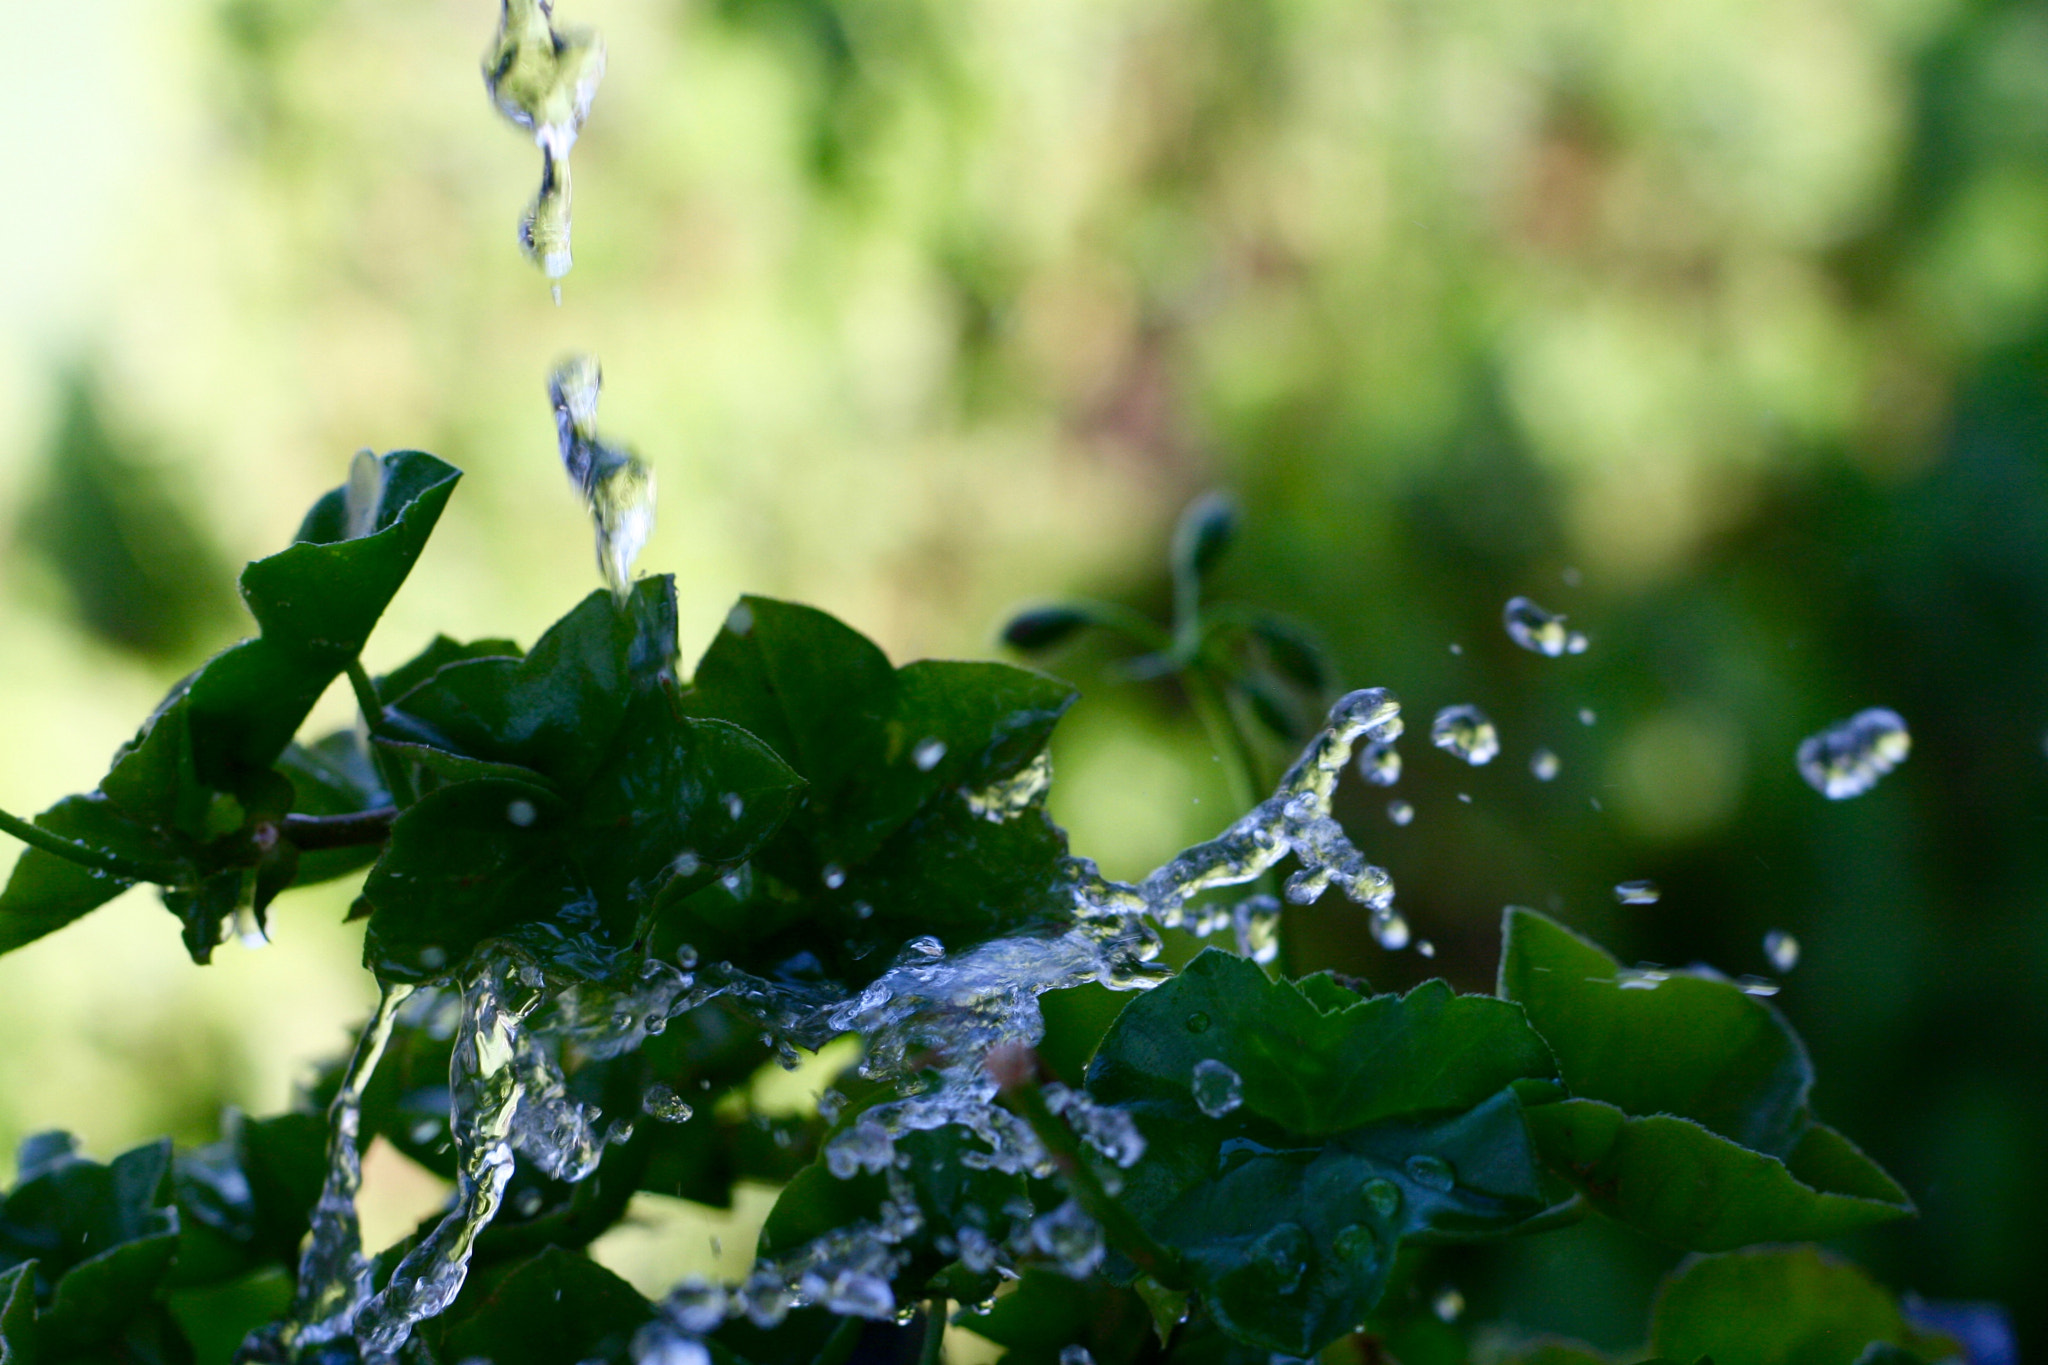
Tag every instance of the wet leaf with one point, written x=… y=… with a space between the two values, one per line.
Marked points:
x=1689 y=1118
x=1780 y=1306
x=555 y=1307
x=1359 y=1125
x=1048 y=1312
x=45 y=892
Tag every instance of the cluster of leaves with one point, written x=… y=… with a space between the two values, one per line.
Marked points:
x=802 y=809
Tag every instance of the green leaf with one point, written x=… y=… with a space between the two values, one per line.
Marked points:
x=18 y=1314
x=1689 y=1118
x=555 y=1307
x=45 y=892
x=1361 y=1124
x=555 y=711
x=1043 y=627
x=1779 y=1306
x=1203 y=534
x=335 y=775
x=244 y=1201
x=1048 y=1312
x=439 y=653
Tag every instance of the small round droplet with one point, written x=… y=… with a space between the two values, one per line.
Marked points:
x=1535 y=629
x=662 y=1103
x=1432 y=1172
x=1400 y=812
x=1076 y=1355
x=740 y=620
x=1575 y=643
x=1457 y=648
x=1637 y=893
x=1782 y=949
x=1465 y=732
x=1587 y=715
x=1382 y=1196
x=834 y=876
x=1543 y=764
x=927 y=754
x=687 y=864
x=1846 y=760
x=1425 y=947
x=1217 y=1088
x=521 y=813
x=426 y=1130
x=734 y=805
x=1198 y=1022
x=1379 y=764
x=620 y=1132
x=686 y=956
x=1356 y=1243
x=1448 y=1306
x=527 y=1203
x=862 y=910
x=1390 y=931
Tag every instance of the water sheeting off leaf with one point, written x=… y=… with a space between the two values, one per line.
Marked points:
x=1689 y=1117
x=1361 y=1122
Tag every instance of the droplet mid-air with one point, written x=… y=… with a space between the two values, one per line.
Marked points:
x=1218 y=1090
x=1539 y=631
x=1465 y=732
x=1637 y=893
x=1543 y=764
x=543 y=79
x=1846 y=760
x=1782 y=949
x=1400 y=812
x=616 y=486
x=1379 y=763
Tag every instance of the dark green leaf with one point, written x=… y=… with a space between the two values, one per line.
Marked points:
x=1780 y=1306
x=554 y=1308
x=1048 y=1312
x=1043 y=627
x=46 y=892
x=18 y=1314
x=440 y=652
x=1203 y=533
x=333 y=776
x=1293 y=652
x=1361 y=1125
x=1690 y=1118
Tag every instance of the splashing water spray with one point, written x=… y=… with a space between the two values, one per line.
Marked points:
x=543 y=79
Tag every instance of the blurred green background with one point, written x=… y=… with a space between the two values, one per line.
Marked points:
x=1720 y=325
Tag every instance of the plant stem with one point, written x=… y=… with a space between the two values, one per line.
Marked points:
x=340 y=831
x=839 y=1346
x=1118 y=1225
x=84 y=855
x=934 y=1332
x=366 y=696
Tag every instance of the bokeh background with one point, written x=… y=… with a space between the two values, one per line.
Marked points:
x=1719 y=325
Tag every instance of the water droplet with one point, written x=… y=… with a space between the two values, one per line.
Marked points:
x=1425 y=947
x=1382 y=1196
x=1283 y=1253
x=1587 y=715
x=616 y=487
x=927 y=754
x=619 y=1133
x=1400 y=812
x=1543 y=764
x=527 y=1203
x=657 y=1343
x=1465 y=797
x=1431 y=1172
x=1356 y=1243
x=925 y=945
x=834 y=876
x=1457 y=648
x=1637 y=893
x=365 y=495
x=1379 y=764
x=734 y=806
x=1846 y=759
x=1641 y=978
x=1782 y=949
x=1075 y=1355
x=740 y=620
x=1535 y=629
x=1465 y=732
x=426 y=1130
x=1390 y=931
x=1575 y=643
x=687 y=864
x=862 y=910
x=1756 y=985
x=662 y=1103
x=1218 y=1089
x=1448 y=1306
x=521 y=813
x=543 y=79
x=1071 y=1238
x=697 y=1305
x=1198 y=1022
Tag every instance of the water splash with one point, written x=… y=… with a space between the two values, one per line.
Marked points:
x=1379 y=764
x=1846 y=759
x=1539 y=631
x=1465 y=732
x=543 y=79
x=617 y=487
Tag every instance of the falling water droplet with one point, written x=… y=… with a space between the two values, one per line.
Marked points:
x=927 y=754
x=521 y=813
x=527 y=1203
x=1218 y=1089
x=619 y=1133
x=543 y=79
x=1448 y=1306
x=1400 y=812
x=1432 y=1172
x=1425 y=947
x=1637 y=893
x=1543 y=764
x=1535 y=629
x=1379 y=764
x=1575 y=643
x=1465 y=732
x=1076 y=1355
x=1587 y=715
x=1390 y=931
x=734 y=806
x=834 y=876
x=662 y=1103
x=1846 y=759
x=617 y=488
x=1782 y=949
